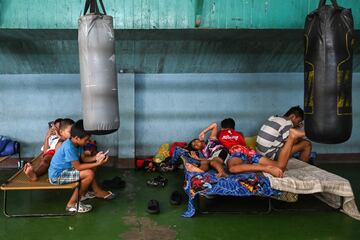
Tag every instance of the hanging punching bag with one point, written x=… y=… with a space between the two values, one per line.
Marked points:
x=98 y=71
x=329 y=38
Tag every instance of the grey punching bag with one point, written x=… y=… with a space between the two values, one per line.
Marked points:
x=98 y=71
x=329 y=38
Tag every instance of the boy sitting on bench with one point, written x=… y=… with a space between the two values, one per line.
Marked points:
x=57 y=134
x=65 y=166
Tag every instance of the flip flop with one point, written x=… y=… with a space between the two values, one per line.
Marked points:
x=175 y=198
x=110 y=196
x=153 y=207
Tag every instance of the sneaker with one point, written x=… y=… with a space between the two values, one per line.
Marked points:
x=88 y=195
x=83 y=208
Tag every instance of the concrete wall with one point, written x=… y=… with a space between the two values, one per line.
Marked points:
x=162 y=51
x=158 y=108
x=176 y=107
x=184 y=78
x=29 y=101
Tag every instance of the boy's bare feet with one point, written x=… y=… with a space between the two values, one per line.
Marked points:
x=296 y=133
x=275 y=171
x=29 y=172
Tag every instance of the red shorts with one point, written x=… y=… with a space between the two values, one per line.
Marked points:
x=49 y=152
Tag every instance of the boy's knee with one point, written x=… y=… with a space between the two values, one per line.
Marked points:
x=307 y=144
x=88 y=173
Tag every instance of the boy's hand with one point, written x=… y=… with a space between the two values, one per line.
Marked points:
x=99 y=157
x=104 y=160
x=50 y=132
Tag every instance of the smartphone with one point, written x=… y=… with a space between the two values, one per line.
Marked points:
x=107 y=151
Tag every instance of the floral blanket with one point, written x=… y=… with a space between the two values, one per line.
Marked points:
x=245 y=184
x=206 y=183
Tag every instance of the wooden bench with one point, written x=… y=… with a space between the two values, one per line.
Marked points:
x=4 y=158
x=19 y=182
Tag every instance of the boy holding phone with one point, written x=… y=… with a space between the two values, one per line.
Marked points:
x=66 y=167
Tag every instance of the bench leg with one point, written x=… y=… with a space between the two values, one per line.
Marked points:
x=270 y=206
x=4 y=205
x=39 y=214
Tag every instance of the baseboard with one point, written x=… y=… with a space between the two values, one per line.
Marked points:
x=121 y=163
x=129 y=163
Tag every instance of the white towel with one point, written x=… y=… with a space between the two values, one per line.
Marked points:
x=303 y=178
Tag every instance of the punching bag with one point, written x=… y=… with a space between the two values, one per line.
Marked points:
x=329 y=38
x=98 y=76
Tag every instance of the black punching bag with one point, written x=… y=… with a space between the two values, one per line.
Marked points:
x=329 y=37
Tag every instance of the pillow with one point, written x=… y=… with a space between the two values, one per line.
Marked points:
x=251 y=142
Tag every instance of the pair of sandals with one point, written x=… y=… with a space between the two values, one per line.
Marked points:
x=154 y=206
x=158 y=181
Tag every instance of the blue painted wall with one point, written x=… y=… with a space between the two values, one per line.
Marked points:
x=158 y=108
x=176 y=107
x=29 y=101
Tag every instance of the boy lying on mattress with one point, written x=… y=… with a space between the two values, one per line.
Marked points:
x=228 y=148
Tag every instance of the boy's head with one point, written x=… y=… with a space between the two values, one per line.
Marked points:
x=57 y=123
x=296 y=115
x=195 y=145
x=65 y=128
x=228 y=123
x=78 y=135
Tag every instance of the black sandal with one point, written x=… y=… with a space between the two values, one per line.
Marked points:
x=115 y=183
x=157 y=181
x=153 y=207
x=175 y=198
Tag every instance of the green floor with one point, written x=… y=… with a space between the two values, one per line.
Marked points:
x=126 y=218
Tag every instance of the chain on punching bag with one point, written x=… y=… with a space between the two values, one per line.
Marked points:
x=98 y=70
x=329 y=38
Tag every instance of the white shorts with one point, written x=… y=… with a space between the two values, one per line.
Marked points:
x=217 y=153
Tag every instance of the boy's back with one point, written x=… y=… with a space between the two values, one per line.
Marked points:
x=230 y=137
x=272 y=136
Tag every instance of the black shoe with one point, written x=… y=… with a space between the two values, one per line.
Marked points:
x=175 y=198
x=153 y=207
x=157 y=181
x=115 y=183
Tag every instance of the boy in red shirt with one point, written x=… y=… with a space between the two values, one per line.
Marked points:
x=228 y=137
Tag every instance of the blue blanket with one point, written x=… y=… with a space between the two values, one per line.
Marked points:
x=206 y=183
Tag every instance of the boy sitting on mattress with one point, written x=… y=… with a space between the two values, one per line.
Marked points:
x=277 y=141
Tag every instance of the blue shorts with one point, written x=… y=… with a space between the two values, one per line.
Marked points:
x=255 y=159
x=67 y=176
